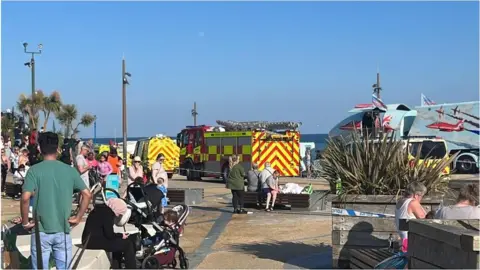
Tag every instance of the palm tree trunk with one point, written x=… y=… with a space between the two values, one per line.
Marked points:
x=45 y=122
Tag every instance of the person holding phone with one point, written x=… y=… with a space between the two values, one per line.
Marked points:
x=99 y=234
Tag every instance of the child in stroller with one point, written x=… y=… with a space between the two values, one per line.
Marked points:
x=158 y=241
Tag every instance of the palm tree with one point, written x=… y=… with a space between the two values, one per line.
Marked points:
x=30 y=106
x=67 y=116
x=51 y=104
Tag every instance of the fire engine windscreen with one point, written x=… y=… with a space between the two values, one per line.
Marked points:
x=259 y=125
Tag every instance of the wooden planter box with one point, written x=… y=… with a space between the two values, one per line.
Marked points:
x=351 y=232
x=298 y=202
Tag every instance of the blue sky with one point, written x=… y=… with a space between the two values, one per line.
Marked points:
x=308 y=62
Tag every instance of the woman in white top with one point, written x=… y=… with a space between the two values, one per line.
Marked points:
x=466 y=206
x=409 y=207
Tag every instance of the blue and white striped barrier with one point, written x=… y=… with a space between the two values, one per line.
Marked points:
x=353 y=213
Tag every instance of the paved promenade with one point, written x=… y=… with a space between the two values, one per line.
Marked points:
x=214 y=238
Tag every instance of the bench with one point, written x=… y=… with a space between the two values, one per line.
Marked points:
x=302 y=202
x=188 y=196
x=368 y=258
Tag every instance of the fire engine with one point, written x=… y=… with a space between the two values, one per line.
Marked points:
x=204 y=150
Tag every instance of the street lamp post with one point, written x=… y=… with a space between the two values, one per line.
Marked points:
x=31 y=64
x=125 y=76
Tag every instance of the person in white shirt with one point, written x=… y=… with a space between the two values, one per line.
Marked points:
x=82 y=165
x=19 y=179
x=14 y=159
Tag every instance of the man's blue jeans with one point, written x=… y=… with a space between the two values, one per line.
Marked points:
x=58 y=244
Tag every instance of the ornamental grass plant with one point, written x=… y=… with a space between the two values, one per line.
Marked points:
x=366 y=166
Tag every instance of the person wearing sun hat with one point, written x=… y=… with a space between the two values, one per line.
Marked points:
x=136 y=170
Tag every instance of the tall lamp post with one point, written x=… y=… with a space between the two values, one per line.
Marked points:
x=31 y=64
x=125 y=76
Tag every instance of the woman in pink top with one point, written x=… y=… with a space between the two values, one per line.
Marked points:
x=136 y=170
x=104 y=168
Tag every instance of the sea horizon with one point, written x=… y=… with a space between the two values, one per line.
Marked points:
x=318 y=139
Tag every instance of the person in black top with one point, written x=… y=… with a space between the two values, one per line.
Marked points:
x=98 y=234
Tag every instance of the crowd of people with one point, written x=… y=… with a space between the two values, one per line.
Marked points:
x=54 y=174
x=264 y=182
x=409 y=207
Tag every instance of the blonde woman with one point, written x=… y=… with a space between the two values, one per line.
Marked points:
x=235 y=182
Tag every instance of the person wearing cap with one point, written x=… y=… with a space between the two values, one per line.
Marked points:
x=136 y=170
x=53 y=183
x=99 y=234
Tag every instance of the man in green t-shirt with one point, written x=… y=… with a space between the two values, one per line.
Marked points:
x=51 y=183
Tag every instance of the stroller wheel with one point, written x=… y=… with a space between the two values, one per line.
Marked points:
x=184 y=263
x=150 y=263
x=174 y=264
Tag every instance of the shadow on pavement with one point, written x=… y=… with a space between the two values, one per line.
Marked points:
x=210 y=209
x=293 y=254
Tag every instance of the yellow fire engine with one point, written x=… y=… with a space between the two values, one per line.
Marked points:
x=204 y=150
x=148 y=150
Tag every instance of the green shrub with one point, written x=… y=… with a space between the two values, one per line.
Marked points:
x=380 y=167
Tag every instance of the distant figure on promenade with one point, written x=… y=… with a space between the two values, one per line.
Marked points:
x=271 y=189
x=466 y=206
x=82 y=165
x=115 y=161
x=104 y=168
x=5 y=169
x=91 y=146
x=92 y=162
x=409 y=207
x=51 y=184
x=266 y=173
x=254 y=183
x=236 y=183
x=14 y=159
x=308 y=162
x=160 y=177
x=23 y=158
x=136 y=170
x=67 y=152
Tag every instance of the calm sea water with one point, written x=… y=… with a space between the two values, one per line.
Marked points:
x=318 y=139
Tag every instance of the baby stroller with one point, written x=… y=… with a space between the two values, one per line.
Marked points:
x=157 y=245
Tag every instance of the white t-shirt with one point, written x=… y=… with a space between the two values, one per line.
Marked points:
x=82 y=162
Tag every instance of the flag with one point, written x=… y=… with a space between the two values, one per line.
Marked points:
x=378 y=102
x=426 y=101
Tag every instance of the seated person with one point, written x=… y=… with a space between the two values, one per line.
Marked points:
x=170 y=218
x=98 y=234
x=466 y=206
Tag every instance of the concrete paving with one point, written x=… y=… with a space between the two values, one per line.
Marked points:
x=215 y=238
